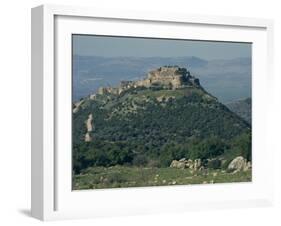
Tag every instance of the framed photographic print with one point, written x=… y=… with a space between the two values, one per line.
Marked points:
x=137 y=112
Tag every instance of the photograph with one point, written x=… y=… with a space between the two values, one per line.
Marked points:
x=152 y=111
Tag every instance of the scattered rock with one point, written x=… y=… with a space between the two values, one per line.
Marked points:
x=190 y=164
x=89 y=127
x=249 y=166
x=239 y=164
x=177 y=164
x=197 y=164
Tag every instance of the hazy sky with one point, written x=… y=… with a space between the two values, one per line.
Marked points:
x=89 y=45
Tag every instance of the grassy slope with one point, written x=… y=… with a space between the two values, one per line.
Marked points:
x=123 y=176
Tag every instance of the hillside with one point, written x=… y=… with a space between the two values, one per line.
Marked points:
x=150 y=122
x=243 y=108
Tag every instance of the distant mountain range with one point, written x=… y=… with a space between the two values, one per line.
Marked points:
x=228 y=80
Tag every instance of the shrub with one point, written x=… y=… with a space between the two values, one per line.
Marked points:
x=153 y=163
x=214 y=164
x=242 y=145
x=115 y=178
x=140 y=160
x=208 y=148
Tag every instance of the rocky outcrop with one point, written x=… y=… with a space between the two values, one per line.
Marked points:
x=236 y=165
x=89 y=127
x=188 y=164
x=77 y=106
x=171 y=77
x=93 y=96
x=88 y=137
x=239 y=164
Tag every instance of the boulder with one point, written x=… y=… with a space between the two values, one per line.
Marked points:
x=189 y=164
x=177 y=164
x=239 y=164
x=197 y=164
x=248 y=166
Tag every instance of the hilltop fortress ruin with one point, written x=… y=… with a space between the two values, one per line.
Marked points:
x=170 y=77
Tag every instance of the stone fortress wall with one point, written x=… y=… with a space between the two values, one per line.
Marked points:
x=172 y=77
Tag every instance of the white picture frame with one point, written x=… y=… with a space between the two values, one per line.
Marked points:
x=52 y=197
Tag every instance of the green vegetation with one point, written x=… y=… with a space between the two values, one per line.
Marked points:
x=124 y=176
x=136 y=128
x=138 y=133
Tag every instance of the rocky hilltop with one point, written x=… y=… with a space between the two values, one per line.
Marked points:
x=170 y=77
x=222 y=78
